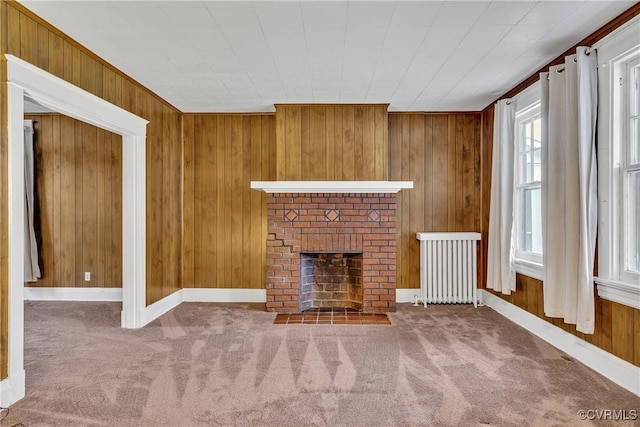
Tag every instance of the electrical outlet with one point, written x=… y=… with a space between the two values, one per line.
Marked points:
x=87 y=276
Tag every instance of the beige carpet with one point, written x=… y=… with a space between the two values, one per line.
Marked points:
x=224 y=364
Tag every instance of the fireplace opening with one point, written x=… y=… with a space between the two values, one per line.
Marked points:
x=331 y=280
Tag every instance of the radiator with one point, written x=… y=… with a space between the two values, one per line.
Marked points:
x=448 y=268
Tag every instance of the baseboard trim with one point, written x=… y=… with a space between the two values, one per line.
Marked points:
x=157 y=309
x=169 y=302
x=223 y=295
x=407 y=295
x=72 y=294
x=612 y=367
x=12 y=389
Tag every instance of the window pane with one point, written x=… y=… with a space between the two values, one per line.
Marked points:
x=537 y=165
x=527 y=135
x=537 y=132
x=633 y=219
x=634 y=140
x=635 y=77
x=527 y=167
x=532 y=221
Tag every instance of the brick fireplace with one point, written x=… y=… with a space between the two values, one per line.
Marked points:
x=346 y=225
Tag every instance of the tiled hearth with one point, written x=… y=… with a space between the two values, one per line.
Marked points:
x=332 y=316
x=358 y=226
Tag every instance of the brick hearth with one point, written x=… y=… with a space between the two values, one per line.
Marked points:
x=301 y=223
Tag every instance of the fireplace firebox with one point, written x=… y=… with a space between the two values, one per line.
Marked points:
x=330 y=280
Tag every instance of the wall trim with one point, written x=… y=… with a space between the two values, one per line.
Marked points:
x=23 y=79
x=529 y=268
x=612 y=367
x=618 y=291
x=12 y=389
x=158 y=308
x=72 y=294
x=153 y=311
x=407 y=294
x=223 y=295
x=403 y=295
x=59 y=95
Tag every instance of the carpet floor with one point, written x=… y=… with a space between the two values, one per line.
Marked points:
x=208 y=364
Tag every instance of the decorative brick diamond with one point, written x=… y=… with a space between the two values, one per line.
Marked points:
x=291 y=215
x=373 y=215
x=332 y=215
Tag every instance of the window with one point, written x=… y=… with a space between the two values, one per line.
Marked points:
x=527 y=227
x=630 y=168
x=619 y=166
x=528 y=186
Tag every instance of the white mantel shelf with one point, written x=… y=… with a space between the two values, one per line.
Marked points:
x=331 y=186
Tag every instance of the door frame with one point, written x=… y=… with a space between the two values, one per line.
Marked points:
x=61 y=96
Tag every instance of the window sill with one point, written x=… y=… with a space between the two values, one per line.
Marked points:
x=529 y=268
x=620 y=292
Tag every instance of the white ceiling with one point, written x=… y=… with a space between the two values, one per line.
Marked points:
x=214 y=56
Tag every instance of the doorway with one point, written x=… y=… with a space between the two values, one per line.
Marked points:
x=25 y=79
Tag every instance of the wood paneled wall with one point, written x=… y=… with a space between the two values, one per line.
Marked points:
x=440 y=153
x=332 y=142
x=79 y=184
x=225 y=222
x=27 y=36
x=617 y=328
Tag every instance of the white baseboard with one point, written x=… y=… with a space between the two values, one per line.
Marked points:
x=617 y=370
x=12 y=389
x=72 y=294
x=407 y=295
x=223 y=295
x=157 y=309
x=167 y=303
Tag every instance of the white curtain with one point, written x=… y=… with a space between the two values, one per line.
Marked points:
x=569 y=192
x=501 y=274
x=31 y=267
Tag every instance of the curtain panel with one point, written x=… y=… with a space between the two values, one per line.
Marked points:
x=31 y=264
x=501 y=275
x=569 y=188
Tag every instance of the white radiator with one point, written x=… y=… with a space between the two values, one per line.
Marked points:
x=448 y=268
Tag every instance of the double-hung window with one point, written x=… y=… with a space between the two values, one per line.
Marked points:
x=619 y=166
x=528 y=191
x=630 y=169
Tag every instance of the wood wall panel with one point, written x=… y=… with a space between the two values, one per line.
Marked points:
x=27 y=36
x=440 y=153
x=331 y=142
x=79 y=177
x=225 y=226
x=617 y=328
